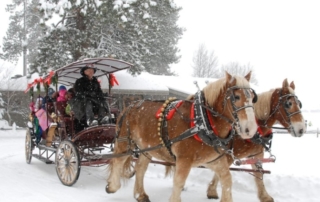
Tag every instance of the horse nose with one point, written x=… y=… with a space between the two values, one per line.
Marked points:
x=301 y=131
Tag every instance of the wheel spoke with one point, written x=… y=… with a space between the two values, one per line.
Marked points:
x=67 y=160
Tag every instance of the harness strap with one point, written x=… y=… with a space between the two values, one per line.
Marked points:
x=188 y=133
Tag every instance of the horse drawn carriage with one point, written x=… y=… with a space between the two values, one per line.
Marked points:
x=68 y=148
x=212 y=129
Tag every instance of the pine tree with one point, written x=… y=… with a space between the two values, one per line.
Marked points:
x=16 y=37
x=142 y=32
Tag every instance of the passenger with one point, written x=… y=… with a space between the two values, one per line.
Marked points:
x=89 y=99
x=69 y=96
x=47 y=101
x=78 y=125
x=62 y=94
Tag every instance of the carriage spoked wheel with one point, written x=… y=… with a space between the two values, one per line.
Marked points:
x=28 y=147
x=67 y=163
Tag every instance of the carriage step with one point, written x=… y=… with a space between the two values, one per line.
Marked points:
x=45 y=160
x=40 y=146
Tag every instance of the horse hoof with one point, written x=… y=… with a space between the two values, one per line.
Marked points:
x=144 y=200
x=213 y=197
x=108 y=190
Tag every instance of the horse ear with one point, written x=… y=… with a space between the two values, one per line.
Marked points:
x=248 y=76
x=230 y=79
x=285 y=83
x=292 y=85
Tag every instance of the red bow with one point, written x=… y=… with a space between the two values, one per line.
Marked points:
x=28 y=87
x=113 y=80
x=48 y=78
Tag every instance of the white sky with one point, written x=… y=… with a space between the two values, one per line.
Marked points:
x=279 y=38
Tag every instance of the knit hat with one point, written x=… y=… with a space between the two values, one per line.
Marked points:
x=50 y=92
x=62 y=88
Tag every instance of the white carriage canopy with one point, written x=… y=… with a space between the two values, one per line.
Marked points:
x=68 y=74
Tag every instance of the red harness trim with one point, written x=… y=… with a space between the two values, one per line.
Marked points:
x=170 y=113
x=261 y=133
x=213 y=127
x=192 y=124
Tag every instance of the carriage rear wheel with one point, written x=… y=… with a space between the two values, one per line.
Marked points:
x=28 y=147
x=67 y=163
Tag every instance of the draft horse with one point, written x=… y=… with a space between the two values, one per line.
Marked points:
x=226 y=103
x=279 y=105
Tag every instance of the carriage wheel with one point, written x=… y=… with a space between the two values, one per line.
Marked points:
x=67 y=163
x=28 y=147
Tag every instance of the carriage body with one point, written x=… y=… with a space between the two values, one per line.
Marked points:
x=69 y=148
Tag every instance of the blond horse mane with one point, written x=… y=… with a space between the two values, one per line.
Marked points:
x=213 y=89
x=263 y=105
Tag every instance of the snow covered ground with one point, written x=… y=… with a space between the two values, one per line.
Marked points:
x=294 y=176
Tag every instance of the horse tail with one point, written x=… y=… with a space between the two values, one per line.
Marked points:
x=128 y=168
x=169 y=171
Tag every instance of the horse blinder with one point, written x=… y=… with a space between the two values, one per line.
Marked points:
x=255 y=96
x=234 y=97
x=288 y=103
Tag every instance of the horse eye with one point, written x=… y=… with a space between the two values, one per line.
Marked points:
x=237 y=97
x=288 y=104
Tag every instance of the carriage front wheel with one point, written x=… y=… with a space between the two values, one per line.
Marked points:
x=67 y=163
x=28 y=147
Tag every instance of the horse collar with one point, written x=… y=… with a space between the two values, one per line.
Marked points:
x=203 y=120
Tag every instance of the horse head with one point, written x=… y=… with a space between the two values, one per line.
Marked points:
x=232 y=98
x=283 y=107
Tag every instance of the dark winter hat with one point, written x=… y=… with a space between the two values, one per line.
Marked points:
x=50 y=91
x=88 y=66
x=62 y=88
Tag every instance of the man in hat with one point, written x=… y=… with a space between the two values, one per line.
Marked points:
x=89 y=99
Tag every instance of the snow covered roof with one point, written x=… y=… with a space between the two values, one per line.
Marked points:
x=140 y=84
x=145 y=83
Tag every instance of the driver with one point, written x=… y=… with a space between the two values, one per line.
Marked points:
x=89 y=99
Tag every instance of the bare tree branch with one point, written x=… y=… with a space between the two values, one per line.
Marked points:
x=205 y=64
x=234 y=68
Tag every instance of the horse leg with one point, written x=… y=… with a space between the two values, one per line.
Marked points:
x=221 y=169
x=262 y=192
x=141 y=168
x=179 y=179
x=117 y=170
x=212 y=188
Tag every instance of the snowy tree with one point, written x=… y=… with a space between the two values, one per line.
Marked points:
x=234 y=68
x=143 y=32
x=205 y=64
x=20 y=35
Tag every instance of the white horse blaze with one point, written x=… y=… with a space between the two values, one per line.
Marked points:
x=248 y=127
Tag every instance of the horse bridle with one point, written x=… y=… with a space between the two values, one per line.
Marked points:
x=230 y=94
x=284 y=99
